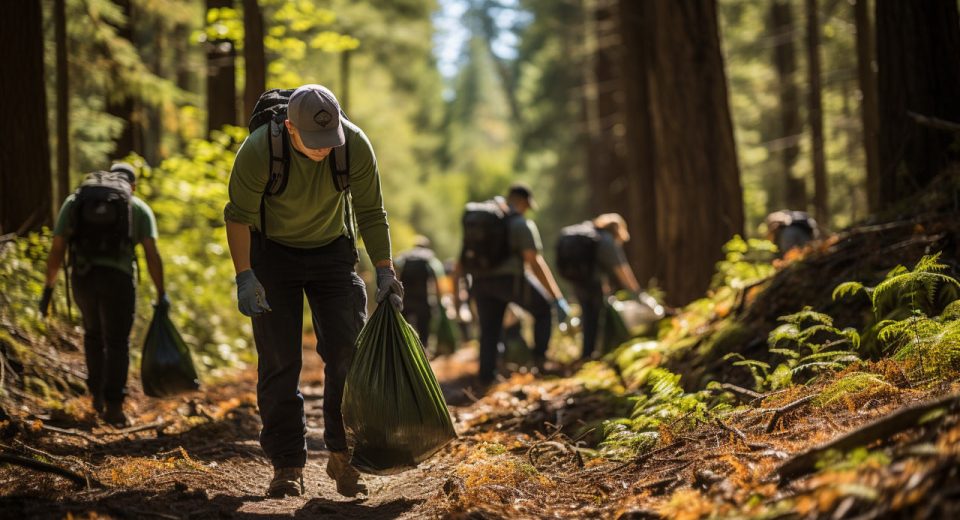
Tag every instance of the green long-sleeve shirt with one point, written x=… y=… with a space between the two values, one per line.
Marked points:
x=310 y=211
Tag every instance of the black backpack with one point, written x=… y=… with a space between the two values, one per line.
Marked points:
x=486 y=236
x=102 y=216
x=577 y=251
x=271 y=109
x=416 y=273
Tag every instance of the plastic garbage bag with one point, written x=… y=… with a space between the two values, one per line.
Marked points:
x=447 y=335
x=166 y=367
x=393 y=409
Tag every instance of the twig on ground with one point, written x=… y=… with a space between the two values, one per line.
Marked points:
x=76 y=433
x=778 y=412
x=72 y=476
x=733 y=430
x=741 y=392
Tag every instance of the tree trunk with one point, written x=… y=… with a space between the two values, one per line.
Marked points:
x=641 y=203
x=254 y=56
x=25 y=177
x=605 y=157
x=63 y=100
x=791 y=191
x=121 y=104
x=815 y=110
x=221 y=78
x=866 y=72
x=697 y=182
x=918 y=45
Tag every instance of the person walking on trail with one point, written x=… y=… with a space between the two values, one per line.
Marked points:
x=299 y=241
x=590 y=256
x=100 y=224
x=420 y=273
x=521 y=276
x=790 y=229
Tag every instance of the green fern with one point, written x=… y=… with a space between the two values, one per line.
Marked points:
x=848 y=289
x=853 y=384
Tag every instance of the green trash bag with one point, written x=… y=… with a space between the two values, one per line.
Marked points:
x=615 y=331
x=393 y=409
x=448 y=337
x=166 y=367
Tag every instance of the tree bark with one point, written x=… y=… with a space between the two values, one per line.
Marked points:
x=918 y=48
x=791 y=191
x=221 y=78
x=25 y=177
x=640 y=161
x=254 y=56
x=815 y=114
x=866 y=72
x=697 y=182
x=63 y=101
x=121 y=104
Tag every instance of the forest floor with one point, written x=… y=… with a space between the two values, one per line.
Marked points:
x=197 y=456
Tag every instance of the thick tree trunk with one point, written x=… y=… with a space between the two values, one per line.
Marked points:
x=641 y=203
x=121 y=104
x=815 y=115
x=918 y=57
x=25 y=177
x=791 y=190
x=254 y=57
x=221 y=78
x=866 y=73
x=63 y=100
x=697 y=183
x=607 y=169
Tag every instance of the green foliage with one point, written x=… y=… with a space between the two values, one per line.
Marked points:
x=745 y=262
x=932 y=343
x=904 y=294
x=659 y=402
x=22 y=277
x=860 y=384
x=187 y=194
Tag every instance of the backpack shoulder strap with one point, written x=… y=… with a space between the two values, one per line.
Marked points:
x=279 y=158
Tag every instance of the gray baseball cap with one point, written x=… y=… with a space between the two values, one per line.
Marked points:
x=315 y=112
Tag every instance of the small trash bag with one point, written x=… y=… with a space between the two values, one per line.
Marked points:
x=447 y=334
x=166 y=367
x=614 y=329
x=393 y=409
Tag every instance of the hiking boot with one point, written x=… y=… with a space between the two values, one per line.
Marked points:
x=287 y=482
x=98 y=404
x=345 y=475
x=114 y=416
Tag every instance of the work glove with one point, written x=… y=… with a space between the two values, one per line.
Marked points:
x=251 y=298
x=563 y=309
x=388 y=285
x=162 y=301
x=45 y=300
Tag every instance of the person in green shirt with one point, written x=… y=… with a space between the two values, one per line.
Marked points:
x=298 y=242
x=104 y=288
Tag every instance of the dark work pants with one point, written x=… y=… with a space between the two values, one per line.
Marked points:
x=106 y=299
x=590 y=296
x=492 y=295
x=338 y=303
x=418 y=313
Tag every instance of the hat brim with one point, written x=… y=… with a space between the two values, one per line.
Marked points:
x=323 y=138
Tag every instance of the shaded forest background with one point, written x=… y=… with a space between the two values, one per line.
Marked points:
x=692 y=119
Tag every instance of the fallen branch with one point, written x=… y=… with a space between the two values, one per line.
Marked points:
x=903 y=419
x=76 y=433
x=34 y=464
x=741 y=392
x=732 y=430
x=778 y=412
x=158 y=425
x=934 y=122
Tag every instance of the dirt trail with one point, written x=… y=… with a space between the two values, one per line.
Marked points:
x=203 y=460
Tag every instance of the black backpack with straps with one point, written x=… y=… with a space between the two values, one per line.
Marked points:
x=416 y=273
x=577 y=251
x=271 y=109
x=102 y=220
x=486 y=235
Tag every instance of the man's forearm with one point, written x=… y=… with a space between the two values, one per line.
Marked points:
x=155 y=267
x=542 y=272
x=238 y=240
x=55 y=259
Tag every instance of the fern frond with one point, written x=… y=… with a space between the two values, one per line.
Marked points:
x=785 y=332
x=838 y=354
x=930 y=264
x=853 y=383
x=807 y=314
x=847 y=289
x=785 y=352
x=819 y=365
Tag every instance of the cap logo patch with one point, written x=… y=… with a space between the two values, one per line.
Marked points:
x=323 y=118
